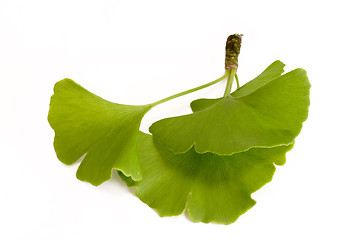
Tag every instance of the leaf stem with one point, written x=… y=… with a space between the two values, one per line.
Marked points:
x=230 y=82
x=237 y=81
x=227 y=72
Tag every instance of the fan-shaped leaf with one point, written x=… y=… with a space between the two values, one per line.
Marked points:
x=217 y=188
x=263 y=114
x=273 y=71
x=107 y=132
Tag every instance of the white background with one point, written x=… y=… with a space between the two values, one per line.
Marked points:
x=137 y=52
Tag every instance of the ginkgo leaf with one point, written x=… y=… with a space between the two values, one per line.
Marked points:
x=273 y=71
x=215 y=188
x=269 y=115
x=107 y=132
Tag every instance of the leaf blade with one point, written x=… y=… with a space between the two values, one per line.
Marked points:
x=216 y=188
x=271 y=72
x=106 y=131
x=270 y=116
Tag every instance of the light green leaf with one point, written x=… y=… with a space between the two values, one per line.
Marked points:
x=107 y=132
x=264 y=114
x=214 y=188
x=273 y=71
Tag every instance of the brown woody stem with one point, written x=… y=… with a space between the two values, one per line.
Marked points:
x=233 y=44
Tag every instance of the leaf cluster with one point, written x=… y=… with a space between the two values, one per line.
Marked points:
x=208 y=162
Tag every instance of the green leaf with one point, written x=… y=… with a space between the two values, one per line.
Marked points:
x=271 y=72
x=264 y=114
x=107 y=132
x=214 y=188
